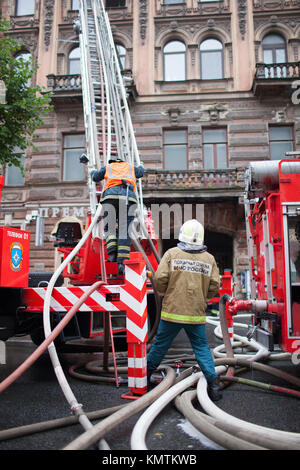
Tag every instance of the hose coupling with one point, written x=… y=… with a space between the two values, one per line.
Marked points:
x=76 y=408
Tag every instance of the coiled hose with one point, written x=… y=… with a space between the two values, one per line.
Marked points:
x=88 y=438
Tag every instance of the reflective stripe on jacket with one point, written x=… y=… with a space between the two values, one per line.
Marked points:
x=187 y=280
x=116 y=172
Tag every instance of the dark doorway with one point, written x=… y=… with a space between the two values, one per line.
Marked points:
x=218 y=244
x=221 y=246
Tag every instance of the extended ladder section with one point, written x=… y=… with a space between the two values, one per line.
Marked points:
x=108 y=126
x=109 y=130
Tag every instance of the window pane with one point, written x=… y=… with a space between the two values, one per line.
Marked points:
x=115 y=3
x=280 y=56
x=214 y=135
x=73 y=169
x=74 y=62
x=211 y=45
x=211 y=65
x=73 y=141
x=75 y=5
x=175 y=157
x=121 y=53
x=278 y=149
x=273 y=39
x=175 y=137
x=268 y=56
x=13 y=175
x=281 y=133
x=74 y=148
x=174 y=67
x=221 y=156
x=208 y=151
x=25 y=7
x=174 y=46
x=170 y=2
x=174 y=61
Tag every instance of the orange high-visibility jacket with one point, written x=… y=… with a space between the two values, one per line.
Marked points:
x=116 y=172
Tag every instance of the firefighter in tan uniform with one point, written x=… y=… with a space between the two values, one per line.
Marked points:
x=187 y=277
x=119 y=202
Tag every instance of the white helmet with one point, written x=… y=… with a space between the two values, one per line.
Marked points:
x=192 y=232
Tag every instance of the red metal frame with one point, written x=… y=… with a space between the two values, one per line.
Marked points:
x=270 y=265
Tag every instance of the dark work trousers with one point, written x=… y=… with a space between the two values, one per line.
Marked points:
x=117 y=219
x=166 y=333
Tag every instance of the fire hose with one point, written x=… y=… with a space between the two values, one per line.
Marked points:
x=230 y=432
x=224 y=428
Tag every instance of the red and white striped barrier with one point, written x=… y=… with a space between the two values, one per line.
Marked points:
x=130 y=297
x=134 y=295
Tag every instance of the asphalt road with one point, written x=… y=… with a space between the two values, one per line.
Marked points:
x=36 y=397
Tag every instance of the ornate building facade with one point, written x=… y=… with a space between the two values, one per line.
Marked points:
x=213 y=85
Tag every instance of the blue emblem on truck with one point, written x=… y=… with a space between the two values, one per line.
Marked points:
x=16 y=254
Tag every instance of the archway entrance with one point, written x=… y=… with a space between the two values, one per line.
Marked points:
x=221 y=246
x=218 y=244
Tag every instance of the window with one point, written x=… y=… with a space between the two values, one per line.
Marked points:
x=25 y=7
x=174 y=61
x=274 y=52
x=121 y=53
x=25 y=57
x=115 y=3
x=74 y=62
x=75 y=4
x=13 y=174
x=175 y=150
x=171 y=2
x=211 y=59
x=281 y=141
x=74 y=146
x=215 y=148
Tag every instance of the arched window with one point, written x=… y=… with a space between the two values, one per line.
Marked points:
x=24 y=57
x=121 y=52
x=211 y=59
x=174 y=61
x=274 y=52
x=274 y=49
x=74 y=62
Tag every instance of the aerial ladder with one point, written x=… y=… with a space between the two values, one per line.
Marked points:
x=108 y=126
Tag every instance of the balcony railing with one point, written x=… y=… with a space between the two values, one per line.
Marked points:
x=220 y=180
x=57 y=83
x=275 y=79
x=284 y=71
x=68 y=84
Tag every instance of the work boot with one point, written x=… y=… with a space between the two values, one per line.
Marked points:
x=149 y=383
x=214 y=390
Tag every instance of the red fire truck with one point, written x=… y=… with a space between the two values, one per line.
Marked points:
x=23 y=293
x=272 y=208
